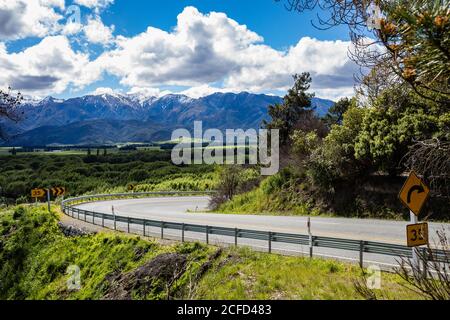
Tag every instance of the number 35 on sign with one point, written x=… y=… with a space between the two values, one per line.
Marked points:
x=417 y=234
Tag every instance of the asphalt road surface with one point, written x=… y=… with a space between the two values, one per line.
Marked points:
x=189 y=210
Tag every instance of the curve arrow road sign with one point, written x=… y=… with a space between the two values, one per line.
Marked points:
x=414 y=193
x=417 y=188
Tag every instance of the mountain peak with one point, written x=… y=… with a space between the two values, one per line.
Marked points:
x=176 y=96
x=140 y=118
x=50 y=99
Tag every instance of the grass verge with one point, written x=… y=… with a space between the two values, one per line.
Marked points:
x=245 y=274
x=35 y=257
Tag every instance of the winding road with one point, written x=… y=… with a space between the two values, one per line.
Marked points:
x=190 y=210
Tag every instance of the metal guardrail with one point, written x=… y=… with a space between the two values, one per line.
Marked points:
x=360 y=246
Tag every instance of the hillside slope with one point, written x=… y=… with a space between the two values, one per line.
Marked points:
x=39 y=259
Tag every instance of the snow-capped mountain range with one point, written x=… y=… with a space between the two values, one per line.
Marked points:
x=112 y=118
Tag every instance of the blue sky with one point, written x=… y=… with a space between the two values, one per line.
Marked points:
x=155 y=47
x=279 y=27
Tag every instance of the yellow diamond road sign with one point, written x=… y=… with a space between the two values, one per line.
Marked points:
x=417 y=234
x=414 y=193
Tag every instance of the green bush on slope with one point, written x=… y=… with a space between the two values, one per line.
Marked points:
x=35 y=255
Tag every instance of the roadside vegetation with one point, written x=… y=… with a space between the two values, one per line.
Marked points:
x=36 y=260
x=82 y=174
x=245 y=274
x=354 y=161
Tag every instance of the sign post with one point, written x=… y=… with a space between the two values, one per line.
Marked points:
x=48 y=200
x=42 y=193
x=414 y=195
x=415 y=257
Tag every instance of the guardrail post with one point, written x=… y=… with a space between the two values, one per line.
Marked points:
x=78 y=213
x=236 y=237
x=361 y=254
x=115 y=223
x=311 y=238
x=128 y=225
x=182 y=232
x=93 y=218
x=162 y=230
x=270 y=242
x=103 y=220
x=425 y=262
x=207 y=234
x=48 y=201
x=85 y=216
x=144 y=228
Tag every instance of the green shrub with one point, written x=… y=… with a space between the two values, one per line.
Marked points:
x=35 y=256
x=148 y=170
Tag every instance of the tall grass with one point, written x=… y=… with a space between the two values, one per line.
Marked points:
x=35 y=255
x=260 y=276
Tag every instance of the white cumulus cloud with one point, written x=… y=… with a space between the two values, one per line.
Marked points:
x=29 y=18
x=92 y=4
x=204 y=49
x=97 y=32
x=48 y=67
x=204 y=53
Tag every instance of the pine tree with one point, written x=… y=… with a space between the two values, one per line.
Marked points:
x=335 y=114
x=296 y=104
